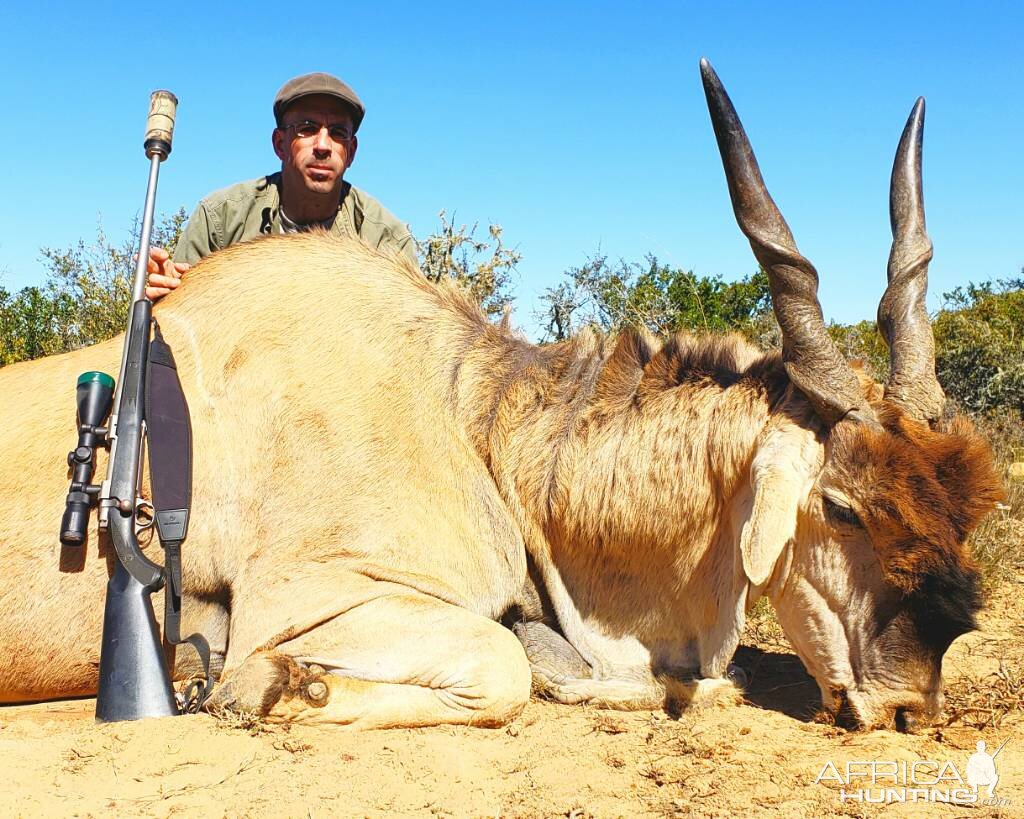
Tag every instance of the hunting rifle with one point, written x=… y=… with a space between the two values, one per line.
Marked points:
x=148 y=403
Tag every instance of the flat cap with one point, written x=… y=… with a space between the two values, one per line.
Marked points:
x=319 y=83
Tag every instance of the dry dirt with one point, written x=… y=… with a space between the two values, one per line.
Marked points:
x=759 y=758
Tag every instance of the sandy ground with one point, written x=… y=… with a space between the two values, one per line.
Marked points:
x=758 y=758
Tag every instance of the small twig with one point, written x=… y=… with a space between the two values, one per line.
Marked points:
x=778 y=687
x=159 y=797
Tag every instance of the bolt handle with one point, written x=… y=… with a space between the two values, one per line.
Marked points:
x=163 y=107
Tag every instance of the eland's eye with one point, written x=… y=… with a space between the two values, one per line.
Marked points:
x=841 y=514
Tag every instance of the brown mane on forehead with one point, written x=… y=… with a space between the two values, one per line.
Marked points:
x=920 y=491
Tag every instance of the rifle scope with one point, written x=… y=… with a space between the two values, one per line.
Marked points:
x=95 y=395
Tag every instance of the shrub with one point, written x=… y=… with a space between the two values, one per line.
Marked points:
x=979 y=339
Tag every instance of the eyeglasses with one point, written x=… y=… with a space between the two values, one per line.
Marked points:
x=308 y=129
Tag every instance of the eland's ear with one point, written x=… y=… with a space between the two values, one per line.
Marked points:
x=781 y=475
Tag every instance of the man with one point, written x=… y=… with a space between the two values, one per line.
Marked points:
x=317 y=117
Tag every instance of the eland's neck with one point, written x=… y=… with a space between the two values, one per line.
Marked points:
x=625 y=445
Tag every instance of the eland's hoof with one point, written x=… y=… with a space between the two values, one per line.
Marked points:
x=317 y=693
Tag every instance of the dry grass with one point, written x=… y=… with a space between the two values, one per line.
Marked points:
x=998 y=543
x=986 y=702
x=763 y=629
x=605 y=723
x=250 y=722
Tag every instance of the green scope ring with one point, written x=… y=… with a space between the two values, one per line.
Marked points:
x=95 y=375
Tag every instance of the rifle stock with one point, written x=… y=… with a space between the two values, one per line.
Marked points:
x=134 y=680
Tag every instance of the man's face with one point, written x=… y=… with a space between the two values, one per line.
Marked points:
x=315 y=162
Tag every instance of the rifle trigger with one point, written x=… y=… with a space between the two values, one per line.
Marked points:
x=145 y=515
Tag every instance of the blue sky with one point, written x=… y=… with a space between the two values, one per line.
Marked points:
x=575 y=126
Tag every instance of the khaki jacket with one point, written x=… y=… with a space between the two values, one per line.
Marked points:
x=252 y=209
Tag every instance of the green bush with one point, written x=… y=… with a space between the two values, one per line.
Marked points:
x=652 y=295
x=85 y=298
x=480 y=266
x=35 y=323
x=979 y=340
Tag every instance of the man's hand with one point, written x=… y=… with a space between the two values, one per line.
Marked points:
x=164 y=275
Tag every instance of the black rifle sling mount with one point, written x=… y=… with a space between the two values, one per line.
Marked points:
x=169 y=439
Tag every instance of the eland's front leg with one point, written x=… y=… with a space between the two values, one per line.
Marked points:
x=401 y=660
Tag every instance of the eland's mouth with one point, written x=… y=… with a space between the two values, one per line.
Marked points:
x=908 y=720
